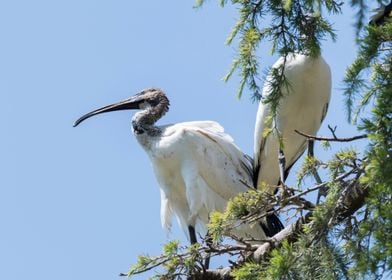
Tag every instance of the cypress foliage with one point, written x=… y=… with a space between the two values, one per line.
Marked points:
x=348 y=235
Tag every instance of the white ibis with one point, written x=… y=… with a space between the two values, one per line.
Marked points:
x=197 y=165
x=302 y=107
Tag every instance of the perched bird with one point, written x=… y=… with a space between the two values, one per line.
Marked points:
x=197 y=165
x=302 y=107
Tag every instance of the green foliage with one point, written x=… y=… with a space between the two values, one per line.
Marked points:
x=318 y=253
x=375 y=45
x=281 y=263
x=325 y=144
x=362 y=13
x=323 y=214
x=323 y=260
x=328 y=245
x=142 y=262
x=297 y=27
x=175 y=262
x=248 y=271
x=217 y=226
x=247 y=60
x=346 y=158
x=277 y=84
x=310 y=164
x=371 y=240
x=246 y=207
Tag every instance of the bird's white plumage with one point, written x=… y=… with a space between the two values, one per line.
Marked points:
x=302 y=107
x=199 y=168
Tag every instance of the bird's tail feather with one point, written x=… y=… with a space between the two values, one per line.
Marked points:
x=272 y=225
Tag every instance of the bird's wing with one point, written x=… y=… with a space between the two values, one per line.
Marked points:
x=225 y=170
x=303 y=107
x=213 y=170
x=264 y=123
x=214 y=132
x=224 y=173
x=208 y=126
x=261 y=125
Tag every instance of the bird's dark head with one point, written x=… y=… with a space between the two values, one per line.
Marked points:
x=148 y=99
x=153 y=97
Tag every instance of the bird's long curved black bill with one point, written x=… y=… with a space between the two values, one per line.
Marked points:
x=128 y=104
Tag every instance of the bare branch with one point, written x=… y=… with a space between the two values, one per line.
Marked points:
x=352 y=199
x=332 y=139
x=280 y=203
x=333 y=130
x=213 y=274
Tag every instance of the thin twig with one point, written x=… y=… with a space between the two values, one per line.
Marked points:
x=333 y=130
x=332 y=139
x=283 y=202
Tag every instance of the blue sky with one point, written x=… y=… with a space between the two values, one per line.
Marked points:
x=82 y=203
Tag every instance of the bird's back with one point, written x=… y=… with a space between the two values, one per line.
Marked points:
x=302 y=107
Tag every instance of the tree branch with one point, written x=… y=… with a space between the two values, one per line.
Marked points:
x=331 y=139
x=352 y=199
x=213 y=274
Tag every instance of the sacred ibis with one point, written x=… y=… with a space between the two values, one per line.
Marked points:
x=197 y=165
x=302 y=107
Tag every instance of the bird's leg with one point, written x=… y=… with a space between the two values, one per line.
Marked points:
x=282 y=165
x=192 y=235
x=282 y=168
x=310 y=148
x=322 y=191
x=208 y=240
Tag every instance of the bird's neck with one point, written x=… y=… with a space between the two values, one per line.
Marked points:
x=144 y=121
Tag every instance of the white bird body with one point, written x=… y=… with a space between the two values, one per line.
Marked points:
x=198 y=166
x=303 y=107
